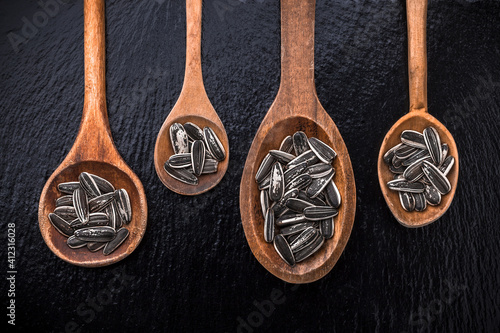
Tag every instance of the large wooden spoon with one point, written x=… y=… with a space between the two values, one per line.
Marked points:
x=94 y=152
x=193 y=106
x=295 y=108
x=417 y=119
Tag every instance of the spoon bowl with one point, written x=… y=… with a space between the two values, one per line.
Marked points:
x=416 y=121
x=116 y=176
x=270 y=137
x=163 y=150
x=193 y=106
x=94 y=152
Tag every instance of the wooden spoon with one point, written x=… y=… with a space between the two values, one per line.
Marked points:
x=94 y=152
x=295 y=108
x=193 y=106
x=417 y=119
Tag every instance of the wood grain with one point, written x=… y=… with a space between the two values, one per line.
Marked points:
x=193 y=106
x=94 y=152
x=296 y=107
x=417 y=119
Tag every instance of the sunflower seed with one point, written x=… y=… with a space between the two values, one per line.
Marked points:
x=198 y=157
x=277 y=183
x=67 y=213
x=213 y=144
x=447 y=165
x=65 y=200
x=433 y=144
x=121 y=236
x=407 y=201
x=389 y=155
x=287 y=145
x=436 y=177
x=413 y=139
x=68 y=187
x=310 y=249
x=81 y=205
x=95 y=234
x=75 y=243
x=294 y=171
x=300 y=144
x=314 y=201
x=181 y=174
x=405 y=186
x=179 y=139
x=193 y=131
x=414 y=172
x=309 y=157
x=323 y=151
x=115 y=221
x=295 y=228
x=303 y=239
x=445 y=149
x=283 y=249
x=269 y=226
x=299 y=182
x=399 y=170
x=99 y=203
x=264 y=202
x=420 y=203
x=289 y=219
x=419 y=155
x=264 y=168
x=318 y=184
x=179 y=161
x=123 y=205
x=87 y=182
x=319 y=170
x=318 y=213
x=405 y=151
x=332 y=195
x=103 y=185
x=297 y=205
x=432 y=195
x=60 y=224
x=281 y=156
x=327 y=228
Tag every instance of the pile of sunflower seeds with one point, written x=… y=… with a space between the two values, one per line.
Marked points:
x=298 y=196
x=92 y=213
x=196 y=152
x=420 y=164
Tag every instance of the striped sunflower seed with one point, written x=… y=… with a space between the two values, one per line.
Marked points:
x=65 y=200
x=198 y=157
x=213 y=144
x=68 y=187
x=264 y=168
x=433 y=144
x=103 y=185
x=448 y=163
x=283 y=249
x=436 y=177
x=323 y=151
x=432 y=195
x=310 y=249
x=123 y=205
x=332 y=195
x=389 y=155
x=180 y=161
x=318 y=213
x=303 y=239
x=88 y=183
x=407 y=201
x=61 y=225
x=295 y=228
x=405 y=151
x=290 y=219
x=405 y=186
x=420 y=202
x=67 y=213
x=277 y=183
x=299 y=182
x=309 y=157
x=264 y=202
x=414 y=172
x=95 y=220
x=300 y=144
x=413 y=139
x=179 y=139
x=99 y=203
x=327 y=228
x=297 y=205
x=121 y=236
x=181 y=174
x=81 y=205
x=287 y=145
x=193 y=131
x=75 y=243
x=281 y=156
x=318 y=184
x=269 y=226
x=95 y=234
x=319 y=170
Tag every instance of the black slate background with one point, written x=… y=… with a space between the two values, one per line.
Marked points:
x=193 y=270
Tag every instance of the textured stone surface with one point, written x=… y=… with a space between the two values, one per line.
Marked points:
x=193 y=270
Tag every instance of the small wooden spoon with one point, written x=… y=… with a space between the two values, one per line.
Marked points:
x=94 y=152
x=417 y=119
x=193 y=106
x=295 y=108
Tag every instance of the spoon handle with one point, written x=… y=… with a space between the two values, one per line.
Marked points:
x=94 y=128
x=193 y=79
x=416 y=12
x=297 y=47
